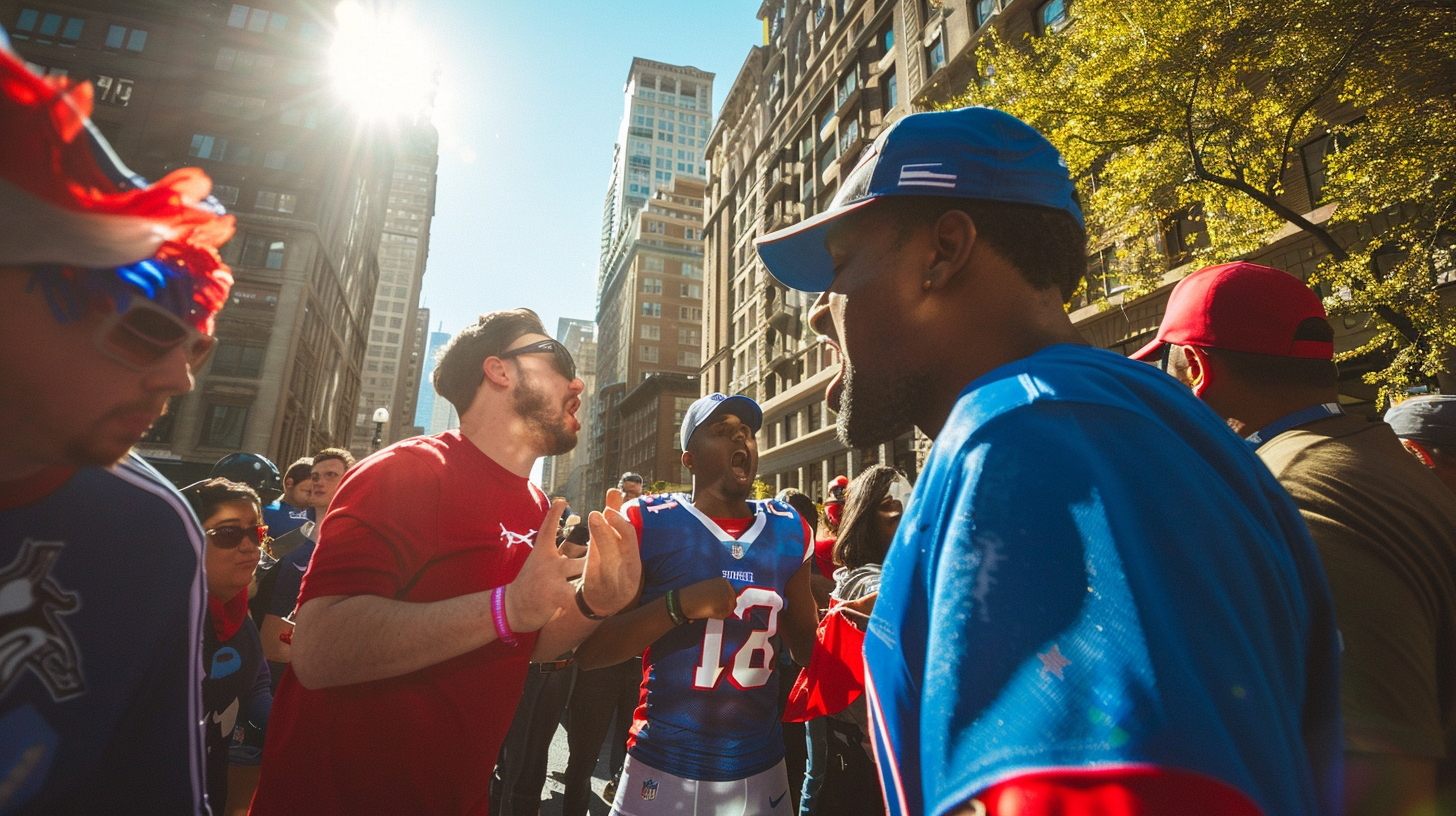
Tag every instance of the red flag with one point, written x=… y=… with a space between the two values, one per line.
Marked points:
x=835 y=676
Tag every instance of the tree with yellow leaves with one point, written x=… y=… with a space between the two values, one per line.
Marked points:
x=1162 y=107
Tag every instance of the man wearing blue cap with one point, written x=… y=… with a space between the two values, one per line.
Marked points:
x=1052 y=635
x=721 y=575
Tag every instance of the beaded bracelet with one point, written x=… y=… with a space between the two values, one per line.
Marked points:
x=674 y=608
x=498 y=614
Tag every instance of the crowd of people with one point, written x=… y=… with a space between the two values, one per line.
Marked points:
x=1187 y=582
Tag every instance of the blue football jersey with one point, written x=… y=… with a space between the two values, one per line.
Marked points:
x=709 y=705
x=1094 y=572
x=101 y=609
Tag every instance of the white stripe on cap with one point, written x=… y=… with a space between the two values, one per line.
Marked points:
x=36 y=231
x=922 y=175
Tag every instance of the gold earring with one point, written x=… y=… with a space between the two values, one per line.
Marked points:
x=925 y=285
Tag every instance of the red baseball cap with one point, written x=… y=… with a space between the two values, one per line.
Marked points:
x=1240 y=307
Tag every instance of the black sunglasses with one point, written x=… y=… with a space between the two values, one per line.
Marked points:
x=228 y=538
x=562 y=360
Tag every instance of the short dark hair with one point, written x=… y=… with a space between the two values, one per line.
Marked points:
x=1273 y=373
x=461 y=364
x=300 y=470
x=1046 y=245
x=805 y=506
x=629 y=476
x=206 y=497
x=331 y=453
x=855 y=546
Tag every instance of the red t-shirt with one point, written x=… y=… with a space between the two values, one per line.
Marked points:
x=427 y=519
x=824 y=557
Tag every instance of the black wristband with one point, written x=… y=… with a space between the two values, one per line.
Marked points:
x=585 y=610
x=674 y=608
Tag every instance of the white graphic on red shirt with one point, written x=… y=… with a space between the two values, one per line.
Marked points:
x=512 y=539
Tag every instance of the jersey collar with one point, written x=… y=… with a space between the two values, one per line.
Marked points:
x=749 y=536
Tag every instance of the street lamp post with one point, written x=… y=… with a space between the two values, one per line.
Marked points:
x=381 y=416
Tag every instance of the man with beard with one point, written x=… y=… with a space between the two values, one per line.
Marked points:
x=1053 y=634
x=435 y=581
x=721 y=576
x=108 y=287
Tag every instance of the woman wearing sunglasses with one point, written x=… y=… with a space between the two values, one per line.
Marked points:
x=236 y=693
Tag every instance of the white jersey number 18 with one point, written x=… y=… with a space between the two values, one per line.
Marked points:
x=745 y=674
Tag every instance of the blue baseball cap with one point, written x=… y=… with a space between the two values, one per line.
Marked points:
x=701 y=411
x=978 y=152
x=1427 y=419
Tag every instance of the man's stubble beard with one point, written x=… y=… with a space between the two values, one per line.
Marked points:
x=531 y=405
x=874 y=412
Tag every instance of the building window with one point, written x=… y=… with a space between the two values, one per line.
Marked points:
x=218 y=148
x=264 y=252
x=133 y=39
x=656 y=227
x=222 y=426
x=690 y=359
x=652 y=286
x=113 y=90
x=692 y=270
x=257 y=20
x=937 y=55
x=685 y=313
x=651 y=309
x=892 y=89
x=690 y=290
x=647 y=354
x=687 y=337
x=986 y=9
x=1183 y=232
x=1052 y=16
x=278 y=202
x=848 y=85
x=651 y=331
x=225 y=193
x=238 y=358
x=43 y=27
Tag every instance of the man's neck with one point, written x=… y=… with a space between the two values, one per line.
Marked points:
x=1256 y=413
x=503 y=436
x=713 y=503
x=982 y=359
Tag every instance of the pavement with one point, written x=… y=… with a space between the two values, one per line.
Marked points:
x=556 y=769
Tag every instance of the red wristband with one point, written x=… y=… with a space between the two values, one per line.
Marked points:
x=498 y=615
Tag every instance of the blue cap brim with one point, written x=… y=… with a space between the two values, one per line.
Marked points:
x=796 y=255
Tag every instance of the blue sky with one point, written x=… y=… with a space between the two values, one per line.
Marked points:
x=529 y=106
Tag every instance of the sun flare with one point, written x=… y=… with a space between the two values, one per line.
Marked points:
x=379 y=62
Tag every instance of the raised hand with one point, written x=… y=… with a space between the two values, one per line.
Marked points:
x=544 y=583
x=613 y=559
x=711 y=598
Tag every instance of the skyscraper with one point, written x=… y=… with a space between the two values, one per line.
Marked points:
x=391 y=364
x=666 y=114
x=433 y=412
x=243 y=93
x=564 y=474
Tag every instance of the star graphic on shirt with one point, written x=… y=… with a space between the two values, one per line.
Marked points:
x=1053 y=662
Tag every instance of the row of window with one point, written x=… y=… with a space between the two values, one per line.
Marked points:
x=650 y=309
x=49 y=27
x=685 y=337
x=692 y=359
x=653 y=286
x=261 y=21
x=222 y=149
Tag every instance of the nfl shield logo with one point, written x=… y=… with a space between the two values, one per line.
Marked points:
x=737 y=550
x=649 y=789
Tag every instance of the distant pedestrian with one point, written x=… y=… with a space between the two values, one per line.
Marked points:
x=631 y=485
x=1426 y=426
x=1253 y=343
x=1098 y=594
x=289 y=511
x=236 y=694
x=108 y=288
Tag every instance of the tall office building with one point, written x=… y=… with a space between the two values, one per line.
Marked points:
x=565 y=474
x=665 y=118
x=391 y=377
x=241 y=91
x=649 y=337
x=434 y=413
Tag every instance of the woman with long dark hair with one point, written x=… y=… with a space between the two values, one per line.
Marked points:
x=871 y=516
